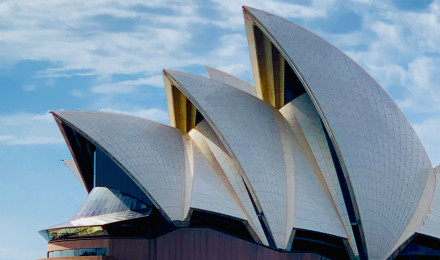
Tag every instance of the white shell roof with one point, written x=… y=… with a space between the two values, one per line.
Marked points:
x=185 y=174
x=305 y=122
x=431 y=224
x=231 y=80
x=151 y=153
x=313 y=207
x=282 y=157
x=370 y=133
x=206 y=130
x=249 y=129
x=228 y=171
x=209 y=192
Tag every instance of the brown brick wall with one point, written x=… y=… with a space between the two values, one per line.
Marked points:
x=181 y=244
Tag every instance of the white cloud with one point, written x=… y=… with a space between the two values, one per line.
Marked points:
x=231 y=56
x=153 y=114
x=232 y=16
x=74 y=38
x=29 y=88
x=393 y=45
x=78 y=93
x=29 y=129
x=128 y=86
x=41 y=129
x=390 y=74
x=423 y=88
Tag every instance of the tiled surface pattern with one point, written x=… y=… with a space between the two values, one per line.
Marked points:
x=206 y=130
x=385 y=161
x=227 y=171
x=304 y=120
x=431 y=225
x=143 y=148
x=232 y=173
x=208 y=192
x=249 y=128
x=283 y=156
x=314 y=209
x=231 y=80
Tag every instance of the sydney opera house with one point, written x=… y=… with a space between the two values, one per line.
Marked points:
x=313 y=161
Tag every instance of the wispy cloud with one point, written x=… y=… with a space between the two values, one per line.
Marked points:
x=29 y=129
x=78 y=93
x=423 y=88
x=232 y=16
x=78 y=40
x=29 y=87
x=399 y=47
x=128 y=86
x=41 y=129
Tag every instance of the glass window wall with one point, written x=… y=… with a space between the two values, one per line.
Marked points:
x=78 y=252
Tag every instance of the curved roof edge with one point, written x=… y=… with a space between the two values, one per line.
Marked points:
x=231 y=80
x=84 y=132
x=71 y=164
x=218 y=101
x=209 y=192
x=250 y=20
x=430 y=222
x=307 y=127
x=346 y=97
x=218 y=158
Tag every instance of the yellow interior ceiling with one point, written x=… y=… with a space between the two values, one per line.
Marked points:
x=181 y=112
x=267 y=66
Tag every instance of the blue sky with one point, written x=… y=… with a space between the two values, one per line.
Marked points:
x=109 y=55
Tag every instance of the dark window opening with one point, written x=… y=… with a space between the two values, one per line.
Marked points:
x=199 y=117
x=109 y=174
x=293 y=87
x=150 y=227
x=323 y=244
x=228 y=225
x=355 y=225
x=262 y=220
x=84 y=154
x=419 y=246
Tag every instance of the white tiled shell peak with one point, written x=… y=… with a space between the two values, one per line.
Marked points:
x=282 y=156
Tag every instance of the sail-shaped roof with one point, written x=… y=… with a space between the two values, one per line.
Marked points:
x=231 y=80
x=151 y=153
x=315 y=148
x=370 y=134
x=240 y=119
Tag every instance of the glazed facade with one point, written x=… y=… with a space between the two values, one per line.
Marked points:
x=313 y=161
